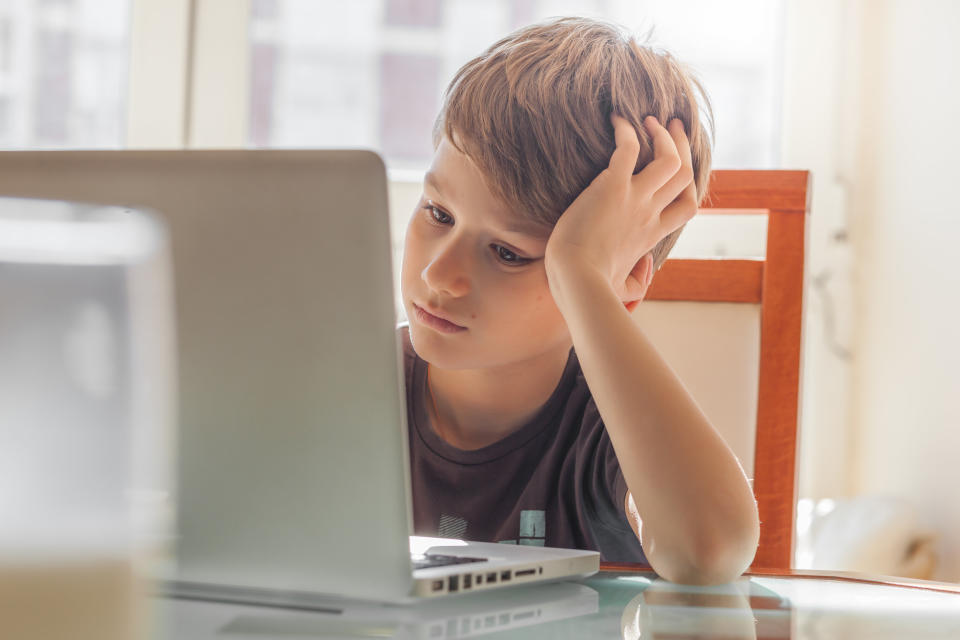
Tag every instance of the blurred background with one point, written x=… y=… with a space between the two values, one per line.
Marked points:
x=861 y=92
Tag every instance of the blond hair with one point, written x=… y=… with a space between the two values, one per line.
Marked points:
x=533 y=112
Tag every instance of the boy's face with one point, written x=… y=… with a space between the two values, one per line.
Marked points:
x=471 y=260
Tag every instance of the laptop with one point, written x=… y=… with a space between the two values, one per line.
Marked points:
x=293 y=476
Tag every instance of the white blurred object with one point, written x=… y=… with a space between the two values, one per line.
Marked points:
x=86 y=416
x=878 y=535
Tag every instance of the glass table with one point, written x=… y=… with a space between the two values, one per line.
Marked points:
x=612 y=604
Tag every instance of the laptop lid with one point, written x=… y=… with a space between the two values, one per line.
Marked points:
x=292 y=447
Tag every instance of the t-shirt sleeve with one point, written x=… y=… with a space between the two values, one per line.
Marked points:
x=605 y=491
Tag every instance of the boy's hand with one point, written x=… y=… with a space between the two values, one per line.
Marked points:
x=620 y=216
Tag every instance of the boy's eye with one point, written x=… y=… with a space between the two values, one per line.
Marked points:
x=508 y=257
x=438 y=215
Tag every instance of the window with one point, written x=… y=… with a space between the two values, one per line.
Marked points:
x=371 y=72
x=63 y=71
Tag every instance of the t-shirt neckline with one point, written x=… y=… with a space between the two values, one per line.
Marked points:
x=533 y=427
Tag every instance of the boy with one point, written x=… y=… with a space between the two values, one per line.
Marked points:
x=539 y=412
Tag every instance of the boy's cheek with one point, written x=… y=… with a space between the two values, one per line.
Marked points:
x=411 y=250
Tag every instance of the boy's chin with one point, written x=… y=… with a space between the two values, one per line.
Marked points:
x=439 y=352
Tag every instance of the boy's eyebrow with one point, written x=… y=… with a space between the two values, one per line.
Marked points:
x=528 y=229
x=431 y=179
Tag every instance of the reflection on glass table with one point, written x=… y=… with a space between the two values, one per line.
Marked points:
x=631 y=606
x=453 y=617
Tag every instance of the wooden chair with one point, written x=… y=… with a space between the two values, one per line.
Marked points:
x=731 y=329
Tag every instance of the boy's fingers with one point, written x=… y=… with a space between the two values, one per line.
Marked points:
x=677 y=213
x=682 y=180
x=666 y=161
x=679 y=195
x=624 y=157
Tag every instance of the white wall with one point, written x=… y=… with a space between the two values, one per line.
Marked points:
x=871 y=105
x=815 y=88
x=906 y=227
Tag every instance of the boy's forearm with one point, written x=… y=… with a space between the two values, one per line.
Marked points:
x=698 y=513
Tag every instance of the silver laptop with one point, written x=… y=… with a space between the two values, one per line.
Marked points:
x=292 y=448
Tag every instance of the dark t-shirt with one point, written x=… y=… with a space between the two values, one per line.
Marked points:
x=555 y=482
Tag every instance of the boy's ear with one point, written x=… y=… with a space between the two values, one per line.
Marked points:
x=638 y=282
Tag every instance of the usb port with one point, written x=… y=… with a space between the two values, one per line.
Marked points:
x=437 y=585
x=453 y=583
x=491 y=577
x=504 y=576
x=467 y=581
x=525 y=572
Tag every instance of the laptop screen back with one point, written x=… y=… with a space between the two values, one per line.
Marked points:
x=292 y=447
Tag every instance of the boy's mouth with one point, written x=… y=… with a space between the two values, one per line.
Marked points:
x=434 y=321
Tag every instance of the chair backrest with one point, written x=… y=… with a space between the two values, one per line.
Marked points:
x=731 y=329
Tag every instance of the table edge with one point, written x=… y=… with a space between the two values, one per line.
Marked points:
x=841 y=576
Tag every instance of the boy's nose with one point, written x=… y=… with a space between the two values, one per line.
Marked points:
x=447 y=273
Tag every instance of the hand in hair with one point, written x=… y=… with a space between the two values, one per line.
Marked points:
x=614 y=223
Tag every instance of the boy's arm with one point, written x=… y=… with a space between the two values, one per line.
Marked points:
x=698 y=514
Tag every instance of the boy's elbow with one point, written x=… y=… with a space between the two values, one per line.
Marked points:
x=716 y=560
x=716 y=567
x=723 y=565
x=724 y=559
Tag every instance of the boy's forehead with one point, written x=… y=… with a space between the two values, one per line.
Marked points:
x=458 y=180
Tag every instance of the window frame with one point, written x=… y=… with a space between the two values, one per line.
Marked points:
x=188 y=80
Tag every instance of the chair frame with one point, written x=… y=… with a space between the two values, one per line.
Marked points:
x=776 y=283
